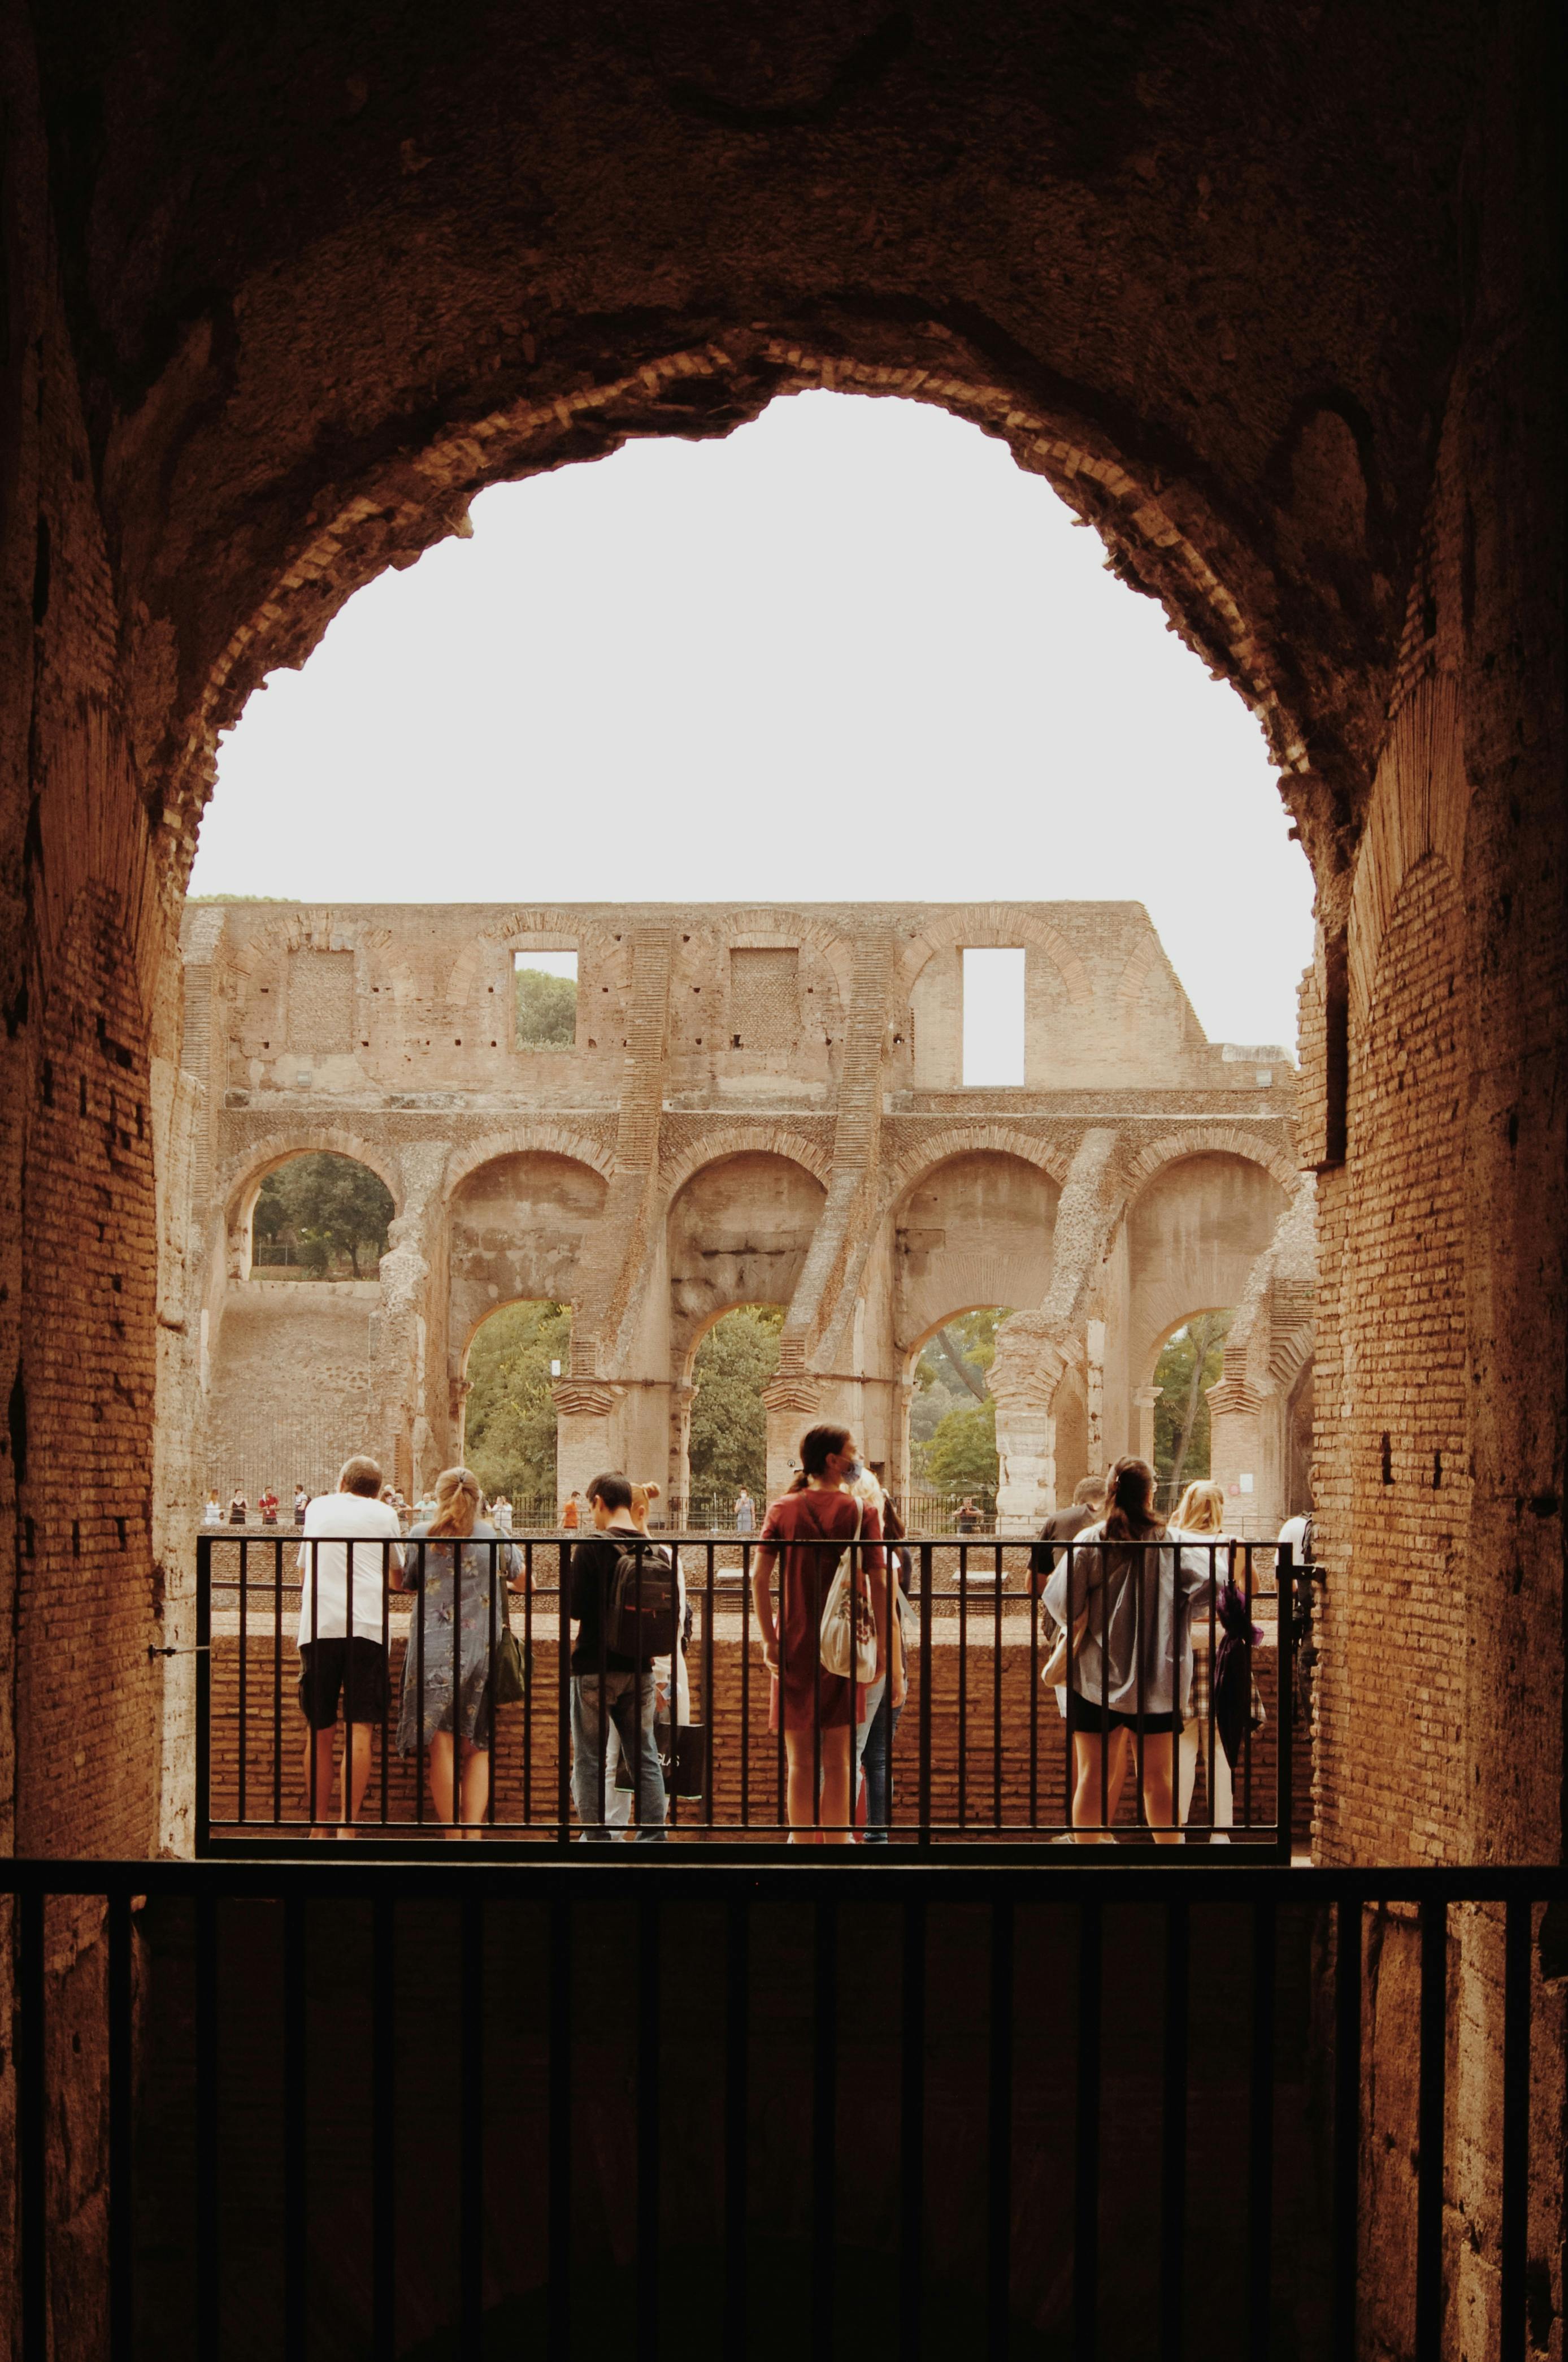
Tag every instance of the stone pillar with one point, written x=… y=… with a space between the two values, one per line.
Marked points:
x=1236 y=1453
x=1024 y=1379
x=680 y=1401
x=791 y=1401
x=1144 y=1401
x=584 y=1449
x=1094 y=1379
x=459 y=1389
x=400 y=1366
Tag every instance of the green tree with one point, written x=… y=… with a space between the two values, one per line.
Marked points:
x=730 y=1428
x=329 y=1205
x=950 y=1378
x=509 y=1430
x=546 y=1009
x=961 y=1455
x=1191 y=1363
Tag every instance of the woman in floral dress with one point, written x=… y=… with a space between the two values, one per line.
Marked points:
x=452 y=1578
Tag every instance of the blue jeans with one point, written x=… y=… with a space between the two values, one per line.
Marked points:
x=592 y=1772
x=874 y=1752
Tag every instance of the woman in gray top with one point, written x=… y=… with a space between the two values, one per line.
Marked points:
x=453 y=1579
x=1130 y=1614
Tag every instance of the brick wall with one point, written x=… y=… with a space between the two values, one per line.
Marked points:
x=525 y=1758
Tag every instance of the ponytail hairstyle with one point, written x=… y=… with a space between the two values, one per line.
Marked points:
x=457 y=1502
x=816 y=1443
x=1129 y=1503
x=641 y=1495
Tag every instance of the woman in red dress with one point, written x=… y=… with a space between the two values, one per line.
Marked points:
x=808 y=1531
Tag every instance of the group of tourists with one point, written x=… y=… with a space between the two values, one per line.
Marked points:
x=1133 y=1606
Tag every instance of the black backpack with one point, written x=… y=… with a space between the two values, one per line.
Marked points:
x=642 y=1610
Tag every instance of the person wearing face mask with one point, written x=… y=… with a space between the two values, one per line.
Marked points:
x=804 y=1535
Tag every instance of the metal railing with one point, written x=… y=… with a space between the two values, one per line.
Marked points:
x=996 y=1757
x=315 y=2204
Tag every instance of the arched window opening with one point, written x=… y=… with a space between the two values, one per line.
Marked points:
x=953 y=1427
x=319 y=1217
x=1191 y=1362
x=508 y=1413
x=728 y=1448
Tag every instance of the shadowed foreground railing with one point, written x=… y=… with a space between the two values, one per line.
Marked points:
x=984 y=1753
x=665 y=2104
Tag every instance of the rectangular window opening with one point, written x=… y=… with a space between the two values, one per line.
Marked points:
x=545 y=984
x=993 y=1018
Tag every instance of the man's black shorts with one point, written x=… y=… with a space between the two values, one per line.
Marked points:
x=328 y=1670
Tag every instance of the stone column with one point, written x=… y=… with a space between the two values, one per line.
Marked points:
x=1094 y=1380
x=1023 y=1378
x=1235 y=1452
x=791 y=1401
x=1144 y=1401
x=459 y=1390
x=400 y=1365
x=583 y=1412
x=680 y=1401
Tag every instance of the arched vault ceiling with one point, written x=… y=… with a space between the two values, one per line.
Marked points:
x=333 y=271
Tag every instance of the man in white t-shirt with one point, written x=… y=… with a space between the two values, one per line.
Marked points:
x=351 y=1543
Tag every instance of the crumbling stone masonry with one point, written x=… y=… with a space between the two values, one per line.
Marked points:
x=761 y=1105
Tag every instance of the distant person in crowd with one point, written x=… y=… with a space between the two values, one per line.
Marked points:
x=302 y=1503
x=1064 y=1526
x=268 y=1506
x=349 y=1551
x=213 y=1514
x=885 y=1700
x=803 y=1534
x=745 y=1513
x=446 y=1705
x=1199 y=1519
x=239 y=1509
x=1129 y=1609
x=968 y=1519
x=609 y=1690
x=501 y=1514
x=572 y=1512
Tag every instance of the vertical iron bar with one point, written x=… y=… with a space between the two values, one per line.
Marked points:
x=1429 y=2132
x=295 y=2193
x=926 y=1605
x=383 y=2129
x=494 y=1552
x=1285 y=1687
x=999 y=2180
x=1515 y=2125
x=528 y=1685
x=471 y=2100
x=208 y=2233
x=1260 y=2139
x=277 y=1684
x=562 y=1725
x=1086 y=2136
x=424 y=1578
x=638 y=1677
x=1347 y=2122
x=560 y=2133
x=456 y=1680
x=1246 y=1727
x=314 y=1716
x=745 y=1694
x=819 y=1549
x=1173 y=2134
x=824 y=2128
x=736 y=2033
x=710 y=1718
x=996 y=1696
x=1034 y=1697
x=32 y=2126
x=387 y=1687
x=122 y=2240
x=244 y=1664
x=911 y=2130
x=648 y=2031
x=204 y=1690
x=963 y=1685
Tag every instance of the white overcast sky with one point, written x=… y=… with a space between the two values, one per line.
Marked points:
x=850 y=652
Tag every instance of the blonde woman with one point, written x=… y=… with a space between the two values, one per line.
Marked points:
x=1200 y=1518
x=448 y=1712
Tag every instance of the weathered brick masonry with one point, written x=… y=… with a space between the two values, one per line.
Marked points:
x=1271 y=299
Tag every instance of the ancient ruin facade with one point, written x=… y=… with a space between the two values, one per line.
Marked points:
x=760 y=1106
